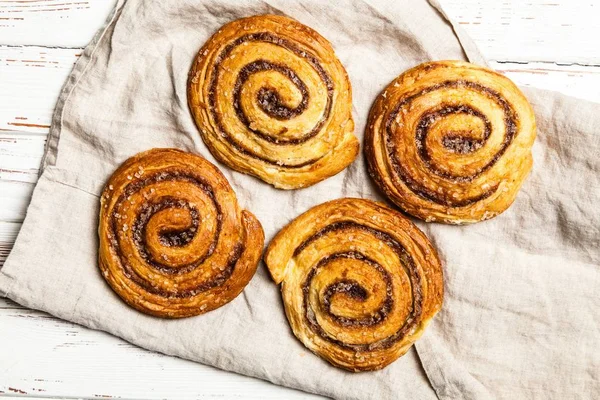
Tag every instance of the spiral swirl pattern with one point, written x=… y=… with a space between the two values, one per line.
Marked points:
x=359 y=282
x=450 y=141
x=271 y=99
x=173 y=240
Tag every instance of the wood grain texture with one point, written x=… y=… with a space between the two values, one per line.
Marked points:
x=62 y=23
x=550 y=44
x=564 y=31
x=31 y=80
x=556 y=30
x=8 y=234
x=20 y=155
x=59 y=359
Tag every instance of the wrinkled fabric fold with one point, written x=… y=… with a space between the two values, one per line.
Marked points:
x=521 y=317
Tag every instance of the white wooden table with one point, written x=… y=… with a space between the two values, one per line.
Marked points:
x=553 y=44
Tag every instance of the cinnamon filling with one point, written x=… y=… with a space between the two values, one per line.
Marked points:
x=268 y=100
x=170 y=238
x=454 y=142
x=356 y=291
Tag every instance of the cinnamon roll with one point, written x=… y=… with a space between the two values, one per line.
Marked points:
x=271 y=99
x=359 y=282
x=173 y=240
x=450 y=141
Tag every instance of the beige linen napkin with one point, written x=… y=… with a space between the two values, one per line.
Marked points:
x=521 y=317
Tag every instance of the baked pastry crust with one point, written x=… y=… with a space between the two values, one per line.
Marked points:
x=359 y=281
x=450 y=141
x=173 y=241
x=271 y=99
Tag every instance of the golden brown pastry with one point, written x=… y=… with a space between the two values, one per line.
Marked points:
x=173 y=241
x=359 y=282
x=450 y=141
x=271 y=99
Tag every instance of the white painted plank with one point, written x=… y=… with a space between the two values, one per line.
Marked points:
x=20 y=156
x=72 y=361
x=14 y=199
x=574 y=80
x=8 y=234
x=31 y=79
x=532 y=30
x=64 y=23
x=556 y=30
